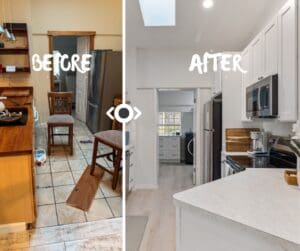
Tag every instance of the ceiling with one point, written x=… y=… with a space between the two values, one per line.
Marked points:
x=228 y=26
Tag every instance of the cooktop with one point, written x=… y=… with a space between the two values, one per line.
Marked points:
x=280 y=156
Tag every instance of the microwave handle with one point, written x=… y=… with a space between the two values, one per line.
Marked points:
x=258 y=99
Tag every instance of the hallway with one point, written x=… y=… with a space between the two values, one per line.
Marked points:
x=158 y=205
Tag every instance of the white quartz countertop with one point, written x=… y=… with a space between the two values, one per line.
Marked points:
x=258 y=198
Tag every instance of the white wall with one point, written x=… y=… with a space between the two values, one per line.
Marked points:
x=187 y=122
x=177 y=101
x=146 y=167
x=149 y=70
x=168 y=68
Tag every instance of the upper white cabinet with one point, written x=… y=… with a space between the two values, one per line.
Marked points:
x=257 y=60
x=246 y=66
x=287 y=63
x=264 y=53
x=274 y=51
x=270 y=48
x=246 y=80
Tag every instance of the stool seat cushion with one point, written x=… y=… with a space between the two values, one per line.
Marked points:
x=60 y=119
x=112 y=138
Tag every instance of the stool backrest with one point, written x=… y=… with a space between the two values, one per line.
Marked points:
x=60 y=102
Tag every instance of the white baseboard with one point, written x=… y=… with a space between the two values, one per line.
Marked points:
x=12 y=228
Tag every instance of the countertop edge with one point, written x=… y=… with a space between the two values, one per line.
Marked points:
x=177 y=202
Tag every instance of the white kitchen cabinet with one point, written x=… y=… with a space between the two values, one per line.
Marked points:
x=287 y=63
x=270 y=48
x=169 y=149
x=129 y=168
x=246 y=80
x=257 y=58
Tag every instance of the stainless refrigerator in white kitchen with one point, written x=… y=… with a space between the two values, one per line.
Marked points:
x=212 y=139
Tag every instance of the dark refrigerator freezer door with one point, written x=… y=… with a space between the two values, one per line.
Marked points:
x=93 y=117
x=96 y=77
x=217 y=138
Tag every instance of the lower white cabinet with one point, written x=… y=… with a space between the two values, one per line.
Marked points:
x=169 y=148
x=129 y=169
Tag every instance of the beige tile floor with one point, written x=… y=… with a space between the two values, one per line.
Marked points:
x=61 y=227
x=56 y=179
x=96 y=235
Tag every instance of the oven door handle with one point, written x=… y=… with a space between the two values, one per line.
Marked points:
x=234 y=167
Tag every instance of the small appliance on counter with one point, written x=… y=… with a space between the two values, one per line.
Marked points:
x=259 y=142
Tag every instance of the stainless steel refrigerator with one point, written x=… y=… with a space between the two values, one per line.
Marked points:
x=105 y=83
x=212 y=139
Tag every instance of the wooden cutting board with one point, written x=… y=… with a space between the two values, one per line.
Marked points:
x=238 y=139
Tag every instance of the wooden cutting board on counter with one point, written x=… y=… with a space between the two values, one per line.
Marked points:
x=238 y=139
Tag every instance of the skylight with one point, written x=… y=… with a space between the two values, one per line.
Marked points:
x=158 y=12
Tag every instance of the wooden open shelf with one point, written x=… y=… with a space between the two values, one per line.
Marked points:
x=18 y=70
x=20 y=32
x=12 y=51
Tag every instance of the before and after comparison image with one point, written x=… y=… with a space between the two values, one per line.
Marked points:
x=150 y=125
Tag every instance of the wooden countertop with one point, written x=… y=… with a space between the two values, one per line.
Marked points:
x=17 y=139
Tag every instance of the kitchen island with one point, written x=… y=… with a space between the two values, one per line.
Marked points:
x=17 y=161
x=251 y=210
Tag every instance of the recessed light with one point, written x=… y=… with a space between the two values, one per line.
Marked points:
x=207 y=4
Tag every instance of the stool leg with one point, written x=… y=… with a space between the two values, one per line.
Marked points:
x=95 y=151
x=49 y=140
x=117 y=163
x=71 y=138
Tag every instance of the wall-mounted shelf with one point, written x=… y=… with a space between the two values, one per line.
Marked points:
x=22 y=47
x=12 y=51
x=19 y=70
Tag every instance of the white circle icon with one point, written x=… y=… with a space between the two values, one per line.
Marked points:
x=117 y=113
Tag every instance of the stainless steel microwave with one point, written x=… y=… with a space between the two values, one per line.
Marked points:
x=262 y=98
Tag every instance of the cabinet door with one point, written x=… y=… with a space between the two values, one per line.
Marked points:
x=16 y=189
x=287 y=21
x=246 y=80
x=257 y=59
x=270 y=49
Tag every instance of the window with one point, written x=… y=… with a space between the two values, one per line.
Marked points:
x=158 y=12
x=169 y=123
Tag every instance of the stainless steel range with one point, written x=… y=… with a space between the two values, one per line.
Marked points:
x=280 y=156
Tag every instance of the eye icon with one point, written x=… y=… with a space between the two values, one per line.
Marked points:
x=123 y=113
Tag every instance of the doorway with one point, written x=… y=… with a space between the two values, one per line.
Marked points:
x=71 y=43
x=176 y=135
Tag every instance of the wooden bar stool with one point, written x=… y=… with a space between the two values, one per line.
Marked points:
x=113 y=139
x=60 y=108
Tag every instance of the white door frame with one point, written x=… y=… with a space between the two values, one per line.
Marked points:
x=197 y=130
x=83 y=43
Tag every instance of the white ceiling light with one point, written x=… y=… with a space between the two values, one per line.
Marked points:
x=207 y=4
x=158 y=12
